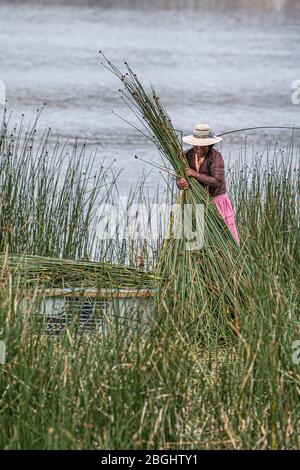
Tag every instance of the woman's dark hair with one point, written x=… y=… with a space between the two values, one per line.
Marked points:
x=210 y=147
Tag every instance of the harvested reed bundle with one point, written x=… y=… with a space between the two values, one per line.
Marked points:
x=56 y=272
x=213 y=279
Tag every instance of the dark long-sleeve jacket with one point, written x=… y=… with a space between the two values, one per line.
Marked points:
x=212 y=173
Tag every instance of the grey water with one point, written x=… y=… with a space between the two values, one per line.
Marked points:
x=229 y=63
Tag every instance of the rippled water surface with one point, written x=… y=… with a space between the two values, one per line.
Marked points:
x=228 y=63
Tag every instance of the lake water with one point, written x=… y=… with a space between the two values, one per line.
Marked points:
x=228 y=63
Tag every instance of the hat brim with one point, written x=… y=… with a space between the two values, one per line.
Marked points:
x=195 y=141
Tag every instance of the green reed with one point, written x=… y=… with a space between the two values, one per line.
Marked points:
x=53 y=200
x=48 y=193
x=165 y=387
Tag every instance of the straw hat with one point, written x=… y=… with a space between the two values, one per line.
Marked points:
x=201 y=136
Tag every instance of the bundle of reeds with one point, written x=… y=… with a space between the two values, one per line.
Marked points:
x=214 y=277
x=57 y=272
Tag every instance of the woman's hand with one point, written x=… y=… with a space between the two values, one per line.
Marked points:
x=182 y=183
x=191 y=172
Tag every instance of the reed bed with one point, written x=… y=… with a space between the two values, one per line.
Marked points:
x=48 y=192
x=168 y=388
x=53 y=200
x=193 y=380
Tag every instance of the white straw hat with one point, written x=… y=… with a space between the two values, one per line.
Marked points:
x=201 y=136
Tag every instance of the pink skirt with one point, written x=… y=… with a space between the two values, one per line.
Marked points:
x=224 y=207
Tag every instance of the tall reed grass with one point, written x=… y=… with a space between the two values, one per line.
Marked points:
x=53 y=200
x=48 y=193
x=170 y=388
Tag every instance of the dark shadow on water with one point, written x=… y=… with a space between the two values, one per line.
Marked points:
x=254 y=6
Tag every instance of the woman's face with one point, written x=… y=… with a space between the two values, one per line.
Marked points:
x=201 y=151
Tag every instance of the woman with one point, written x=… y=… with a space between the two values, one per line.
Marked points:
x=207 y=166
